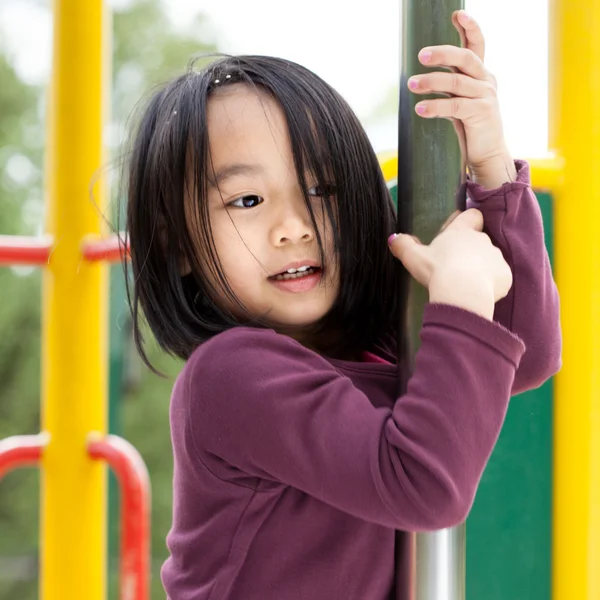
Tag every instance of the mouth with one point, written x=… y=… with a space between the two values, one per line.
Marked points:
x=298 y=278
x=290 y=274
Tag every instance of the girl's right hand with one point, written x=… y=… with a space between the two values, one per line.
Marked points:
x=460 y=267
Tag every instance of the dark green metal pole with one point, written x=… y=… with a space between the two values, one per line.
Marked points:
x=431 y=175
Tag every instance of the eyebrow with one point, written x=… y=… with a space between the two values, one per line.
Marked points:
x=234 y=170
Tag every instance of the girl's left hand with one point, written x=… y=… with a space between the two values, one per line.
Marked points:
x=473 y=101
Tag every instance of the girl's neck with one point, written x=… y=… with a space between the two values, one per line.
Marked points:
x=328 y=344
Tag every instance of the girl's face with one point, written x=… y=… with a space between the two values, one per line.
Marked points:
x=260 y=224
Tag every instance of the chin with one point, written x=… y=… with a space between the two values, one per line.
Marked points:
x=300 y=318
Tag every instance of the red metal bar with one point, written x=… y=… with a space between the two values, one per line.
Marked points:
x=111 y=249
x=22 y=250
x=21 y=451
x=132 y=475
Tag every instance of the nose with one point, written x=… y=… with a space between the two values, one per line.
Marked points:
x=293 y=224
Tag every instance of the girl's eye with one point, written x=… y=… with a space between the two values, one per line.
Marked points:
x=322 y=191
x=249 y=201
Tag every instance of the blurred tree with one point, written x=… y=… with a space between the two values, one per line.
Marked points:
x=20 y=174
x=147 y=49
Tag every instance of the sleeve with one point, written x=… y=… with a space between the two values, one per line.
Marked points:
x=265 y=406
x=513 y=221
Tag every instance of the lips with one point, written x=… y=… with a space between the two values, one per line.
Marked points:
x=305 y=275
x=297 y=282
x=298 y=264
x=299 y=274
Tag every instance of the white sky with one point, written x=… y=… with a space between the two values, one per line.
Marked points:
x=352 y=45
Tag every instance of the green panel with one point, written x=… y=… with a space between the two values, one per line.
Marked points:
x=509 y=529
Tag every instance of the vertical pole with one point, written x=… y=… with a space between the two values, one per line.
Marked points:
x=430 y=178
x=73 y=527
x=575 y=137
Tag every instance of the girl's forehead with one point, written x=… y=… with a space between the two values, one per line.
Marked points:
x=240 y=109
x=246 y=126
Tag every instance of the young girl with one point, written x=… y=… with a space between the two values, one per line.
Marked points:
x=258 y=220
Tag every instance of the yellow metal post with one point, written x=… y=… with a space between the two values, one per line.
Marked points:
x=74 y=313
x=574 y=71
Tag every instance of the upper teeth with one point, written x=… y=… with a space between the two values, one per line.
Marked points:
x=299 y=269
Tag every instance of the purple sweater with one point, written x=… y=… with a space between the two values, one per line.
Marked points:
x=292 y=471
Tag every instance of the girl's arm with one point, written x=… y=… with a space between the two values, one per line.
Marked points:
x=531 y=309
x=260 y=409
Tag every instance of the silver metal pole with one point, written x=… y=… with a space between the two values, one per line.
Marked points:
x=431 y=176
x=440 y=565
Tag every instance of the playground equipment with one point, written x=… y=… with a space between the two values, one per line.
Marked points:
x=430 y=186
x=73 y=445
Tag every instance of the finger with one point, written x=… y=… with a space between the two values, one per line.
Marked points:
x=414 y=237
x=463 y=59
x=455 y=84
x=459 y=28
x=449 y=220
x=472 y=32
x=469 y=219
x=470 y=110
x=413 y=255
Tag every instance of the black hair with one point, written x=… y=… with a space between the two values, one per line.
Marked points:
x=327 y=140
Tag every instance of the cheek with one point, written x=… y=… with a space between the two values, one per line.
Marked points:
x=324 y=222
x=327 y=237
x=236 y=251
x=226 y=237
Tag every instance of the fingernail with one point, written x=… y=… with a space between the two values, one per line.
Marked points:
x=425 y=57
x=421 y=109
x=392 y=238
x=413 y=83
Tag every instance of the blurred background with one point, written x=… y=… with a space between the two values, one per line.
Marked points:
x=356 y=50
